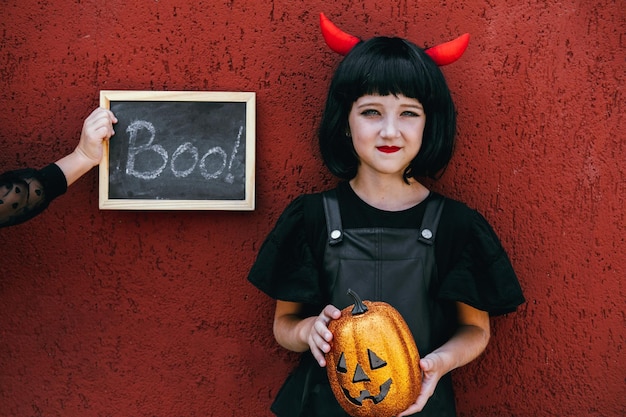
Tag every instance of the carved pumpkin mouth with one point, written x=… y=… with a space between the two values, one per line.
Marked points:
x=365 y=394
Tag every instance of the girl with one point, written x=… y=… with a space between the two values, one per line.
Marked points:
x=389 y=120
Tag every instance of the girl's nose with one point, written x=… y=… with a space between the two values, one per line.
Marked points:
x=390 y=128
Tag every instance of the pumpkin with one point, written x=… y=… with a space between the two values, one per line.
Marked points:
x=373 y=364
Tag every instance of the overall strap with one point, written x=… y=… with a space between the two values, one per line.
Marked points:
x=430 y=222
x=428 y=228
x=333 y=217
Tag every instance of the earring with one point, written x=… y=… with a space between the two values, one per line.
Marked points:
x=348 y=134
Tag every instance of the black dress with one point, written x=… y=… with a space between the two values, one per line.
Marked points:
x=471 y=267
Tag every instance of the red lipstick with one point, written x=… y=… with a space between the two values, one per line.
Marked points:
x=388 y=149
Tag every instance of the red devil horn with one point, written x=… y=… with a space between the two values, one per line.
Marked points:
x=447 y=53
x=336 y=39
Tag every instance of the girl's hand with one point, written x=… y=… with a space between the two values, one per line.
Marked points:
x=319 y=337
x=466 y=344
x=433 y=369
x=97 y=128
x=299 y=334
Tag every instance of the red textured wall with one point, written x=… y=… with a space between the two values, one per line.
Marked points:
x=113 y=313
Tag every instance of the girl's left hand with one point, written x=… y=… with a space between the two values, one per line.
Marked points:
x=433 y=368
x=468 y=342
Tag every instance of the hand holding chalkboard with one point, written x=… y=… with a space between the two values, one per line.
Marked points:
x=179 y=151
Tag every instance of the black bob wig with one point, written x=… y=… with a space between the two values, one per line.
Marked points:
x=383 y=66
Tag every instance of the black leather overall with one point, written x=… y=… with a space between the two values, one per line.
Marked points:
x=380 y=264
x=383 y=264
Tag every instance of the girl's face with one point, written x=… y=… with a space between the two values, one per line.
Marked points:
x=386 y=132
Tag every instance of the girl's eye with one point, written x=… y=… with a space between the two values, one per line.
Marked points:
x=370 y=112
x=410 y=114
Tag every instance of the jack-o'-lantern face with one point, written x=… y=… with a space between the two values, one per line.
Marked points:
x=364 y=379
x=373 y=364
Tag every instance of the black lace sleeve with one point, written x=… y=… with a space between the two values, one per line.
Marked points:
x=25 y=193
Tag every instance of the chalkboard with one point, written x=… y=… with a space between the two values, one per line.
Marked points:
x=179 y=150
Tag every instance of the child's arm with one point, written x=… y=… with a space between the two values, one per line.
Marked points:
x=97 y=128
x=27 y=192
x=298 y=334
x=469 y=341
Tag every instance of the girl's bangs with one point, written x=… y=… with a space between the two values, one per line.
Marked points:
x=395 y=75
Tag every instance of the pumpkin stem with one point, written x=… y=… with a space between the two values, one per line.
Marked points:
x=359 y=307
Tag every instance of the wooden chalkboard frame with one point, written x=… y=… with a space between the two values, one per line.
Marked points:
x=247 y=203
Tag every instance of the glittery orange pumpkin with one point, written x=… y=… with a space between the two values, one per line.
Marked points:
x=373 y=364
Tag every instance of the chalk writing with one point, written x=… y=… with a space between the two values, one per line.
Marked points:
x=134 y=149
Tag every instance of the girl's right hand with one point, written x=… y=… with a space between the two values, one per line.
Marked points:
x=319 y=337
x=97 y=128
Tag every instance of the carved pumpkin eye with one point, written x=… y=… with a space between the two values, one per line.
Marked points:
x=375 y=362
x=341 y=364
